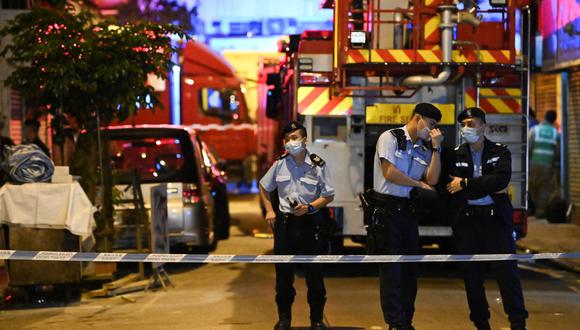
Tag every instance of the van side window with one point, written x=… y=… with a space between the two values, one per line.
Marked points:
x=222 y=103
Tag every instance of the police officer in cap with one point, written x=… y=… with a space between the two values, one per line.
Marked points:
x=405 y=158
x=480 y=172
x=302 y=182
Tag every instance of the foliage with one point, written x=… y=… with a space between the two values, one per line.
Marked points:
x=72 y=61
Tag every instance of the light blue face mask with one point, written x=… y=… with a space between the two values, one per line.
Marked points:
x=294 y=147
x=470 y=134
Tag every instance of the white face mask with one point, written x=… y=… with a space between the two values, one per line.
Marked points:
x=294 y=147
x=424 y=133
x=470 y=134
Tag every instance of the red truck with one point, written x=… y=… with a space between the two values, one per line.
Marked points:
x=204 y=92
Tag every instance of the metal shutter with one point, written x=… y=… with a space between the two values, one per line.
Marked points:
x=544 y=94
x=574 y=140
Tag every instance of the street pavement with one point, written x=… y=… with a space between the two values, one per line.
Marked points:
x=241 y=296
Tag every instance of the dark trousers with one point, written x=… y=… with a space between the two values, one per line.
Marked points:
x=398 y=281
x=480 y=230
x=300 y=236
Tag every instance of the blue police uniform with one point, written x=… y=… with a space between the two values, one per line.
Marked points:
x=307 y=235
x=396 y=221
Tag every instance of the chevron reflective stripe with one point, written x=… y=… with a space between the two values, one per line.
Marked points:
x=486 y=56
x=270 y=259
x=317 y=101
x=431 y=32
x=495 y=100
x=426 y=56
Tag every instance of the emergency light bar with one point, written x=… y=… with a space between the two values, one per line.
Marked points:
x=358 y=39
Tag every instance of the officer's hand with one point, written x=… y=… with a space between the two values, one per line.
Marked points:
x=271 y=218
x=455 y=185
x=436 y=137
x=424 y=185
x=300 y=210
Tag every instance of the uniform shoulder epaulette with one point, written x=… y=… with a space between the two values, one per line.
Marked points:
x=399 y=134
x=283 y=156
x=317 y=160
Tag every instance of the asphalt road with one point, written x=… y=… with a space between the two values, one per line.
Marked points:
x=241 y=296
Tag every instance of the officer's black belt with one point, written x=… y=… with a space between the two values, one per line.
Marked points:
x=292 y=216
x=480 y=210
x=386 y=201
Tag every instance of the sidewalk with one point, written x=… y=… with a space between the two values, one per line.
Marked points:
x=551 y=237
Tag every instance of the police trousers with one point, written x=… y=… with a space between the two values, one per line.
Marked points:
x=481 y=230
x=398 y=222
x=300 y=236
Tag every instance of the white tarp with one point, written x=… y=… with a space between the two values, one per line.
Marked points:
x=47 y=205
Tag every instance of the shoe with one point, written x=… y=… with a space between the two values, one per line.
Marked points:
x=318 y=326
x=401 y=327
x=518 y=326
x=283 y=325
x=484 y=325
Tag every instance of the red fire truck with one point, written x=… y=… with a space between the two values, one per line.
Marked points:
x=204 y=92
x=351 y=84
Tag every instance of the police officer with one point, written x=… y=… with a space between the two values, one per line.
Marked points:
x=480 y=172
x=404 y=159
x=302 y=182
x=544 y=142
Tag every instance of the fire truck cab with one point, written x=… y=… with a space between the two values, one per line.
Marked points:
x=351 y=84
x=204 y=92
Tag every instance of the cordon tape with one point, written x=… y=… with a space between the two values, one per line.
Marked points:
x=268 y=259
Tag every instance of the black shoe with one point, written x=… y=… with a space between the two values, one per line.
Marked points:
x=283 y=325
x=318 y=326
x=518 y=326
x=401 y=327
x=484 y=325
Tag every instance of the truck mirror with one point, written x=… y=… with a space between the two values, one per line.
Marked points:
x=273 y=103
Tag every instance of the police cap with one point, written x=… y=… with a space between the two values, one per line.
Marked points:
x=472 y=112
x=428 y=110
x=293 y=126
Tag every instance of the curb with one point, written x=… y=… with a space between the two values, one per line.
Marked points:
x=571 y=267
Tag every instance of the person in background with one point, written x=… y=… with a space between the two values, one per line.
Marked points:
x=31 y=127
x=544 y=143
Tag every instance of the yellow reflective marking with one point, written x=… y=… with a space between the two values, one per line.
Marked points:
x=469 y=101
x=498 y=104
x=315 y=106
x=432 y=25
x=429 y=56
x=458 y=56
x=343 y=107
x=401 y=113
x=516 y=92
x=400 y=55
x=303 y=92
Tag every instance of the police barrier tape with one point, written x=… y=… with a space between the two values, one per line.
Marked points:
x=267 y=259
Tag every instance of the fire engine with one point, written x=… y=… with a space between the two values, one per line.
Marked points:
x=204 y=92
x=351 y=84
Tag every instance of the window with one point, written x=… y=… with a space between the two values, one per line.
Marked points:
x=156 y=158
x=222 y=103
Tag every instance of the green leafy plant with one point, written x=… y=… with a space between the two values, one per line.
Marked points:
x=72 y=63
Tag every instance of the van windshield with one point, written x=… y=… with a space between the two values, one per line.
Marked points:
x=156 y=156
